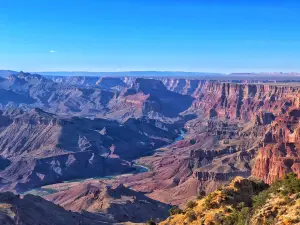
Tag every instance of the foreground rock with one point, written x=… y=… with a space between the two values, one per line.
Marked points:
x=245 y=202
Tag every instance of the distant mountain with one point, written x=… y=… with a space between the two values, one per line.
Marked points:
x=6 y=73
x=131 y=73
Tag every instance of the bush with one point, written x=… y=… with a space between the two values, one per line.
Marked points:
x=175 y=210
x=231 y=219
x=291 y=184
x=191 y=215
x=240 y=205
x=201 y=195
x=209 y=204
x=191 y=204
x=244 y=216
x=241 y=217
x=260 y=199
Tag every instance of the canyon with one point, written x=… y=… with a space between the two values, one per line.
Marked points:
x=61 y=129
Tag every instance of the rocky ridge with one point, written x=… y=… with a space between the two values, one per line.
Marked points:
x=244 y=201
x=122 y=203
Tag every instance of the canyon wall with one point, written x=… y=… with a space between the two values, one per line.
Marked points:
x=235 y=127
x=237 y=133
x=273 y=110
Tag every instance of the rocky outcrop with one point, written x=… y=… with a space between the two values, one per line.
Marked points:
x=122 y=203
x=279 y=154
x=244 y=201
x=30 y=209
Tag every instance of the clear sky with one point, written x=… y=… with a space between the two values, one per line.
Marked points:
x=181 y=35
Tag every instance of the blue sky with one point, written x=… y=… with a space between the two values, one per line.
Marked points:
x=182 y=35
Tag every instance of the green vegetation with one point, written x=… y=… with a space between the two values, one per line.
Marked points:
x=287 y=186
x=238 y=217
x=191 y=204
x=209 y=203
x=244 y=202
x=191 y=215
x=175 y=210
x=201 y=195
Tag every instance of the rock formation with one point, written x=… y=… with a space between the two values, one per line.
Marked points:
x=30 y=209
x=62 y=128
x=122 y=203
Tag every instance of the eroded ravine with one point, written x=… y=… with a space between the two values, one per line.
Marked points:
x=139 y=168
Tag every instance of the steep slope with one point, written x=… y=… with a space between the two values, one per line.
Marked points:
x=244 y=202
x=279 y=154
x=237 y=134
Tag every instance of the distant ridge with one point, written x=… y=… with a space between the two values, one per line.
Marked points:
x=257 y=77
x=131 y=73
x=6 y=73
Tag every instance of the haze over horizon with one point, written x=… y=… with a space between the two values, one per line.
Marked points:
x=127 y=35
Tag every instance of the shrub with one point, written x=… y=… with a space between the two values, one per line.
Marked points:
x=231 y=219
x=209 y=204
x=191 y=204
x=240 y=205
x=191 y=215
x=241 y=217
x=175 y=210
x=244 y=216
x=260 y=199
x=291 y=184
x=201 y=195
